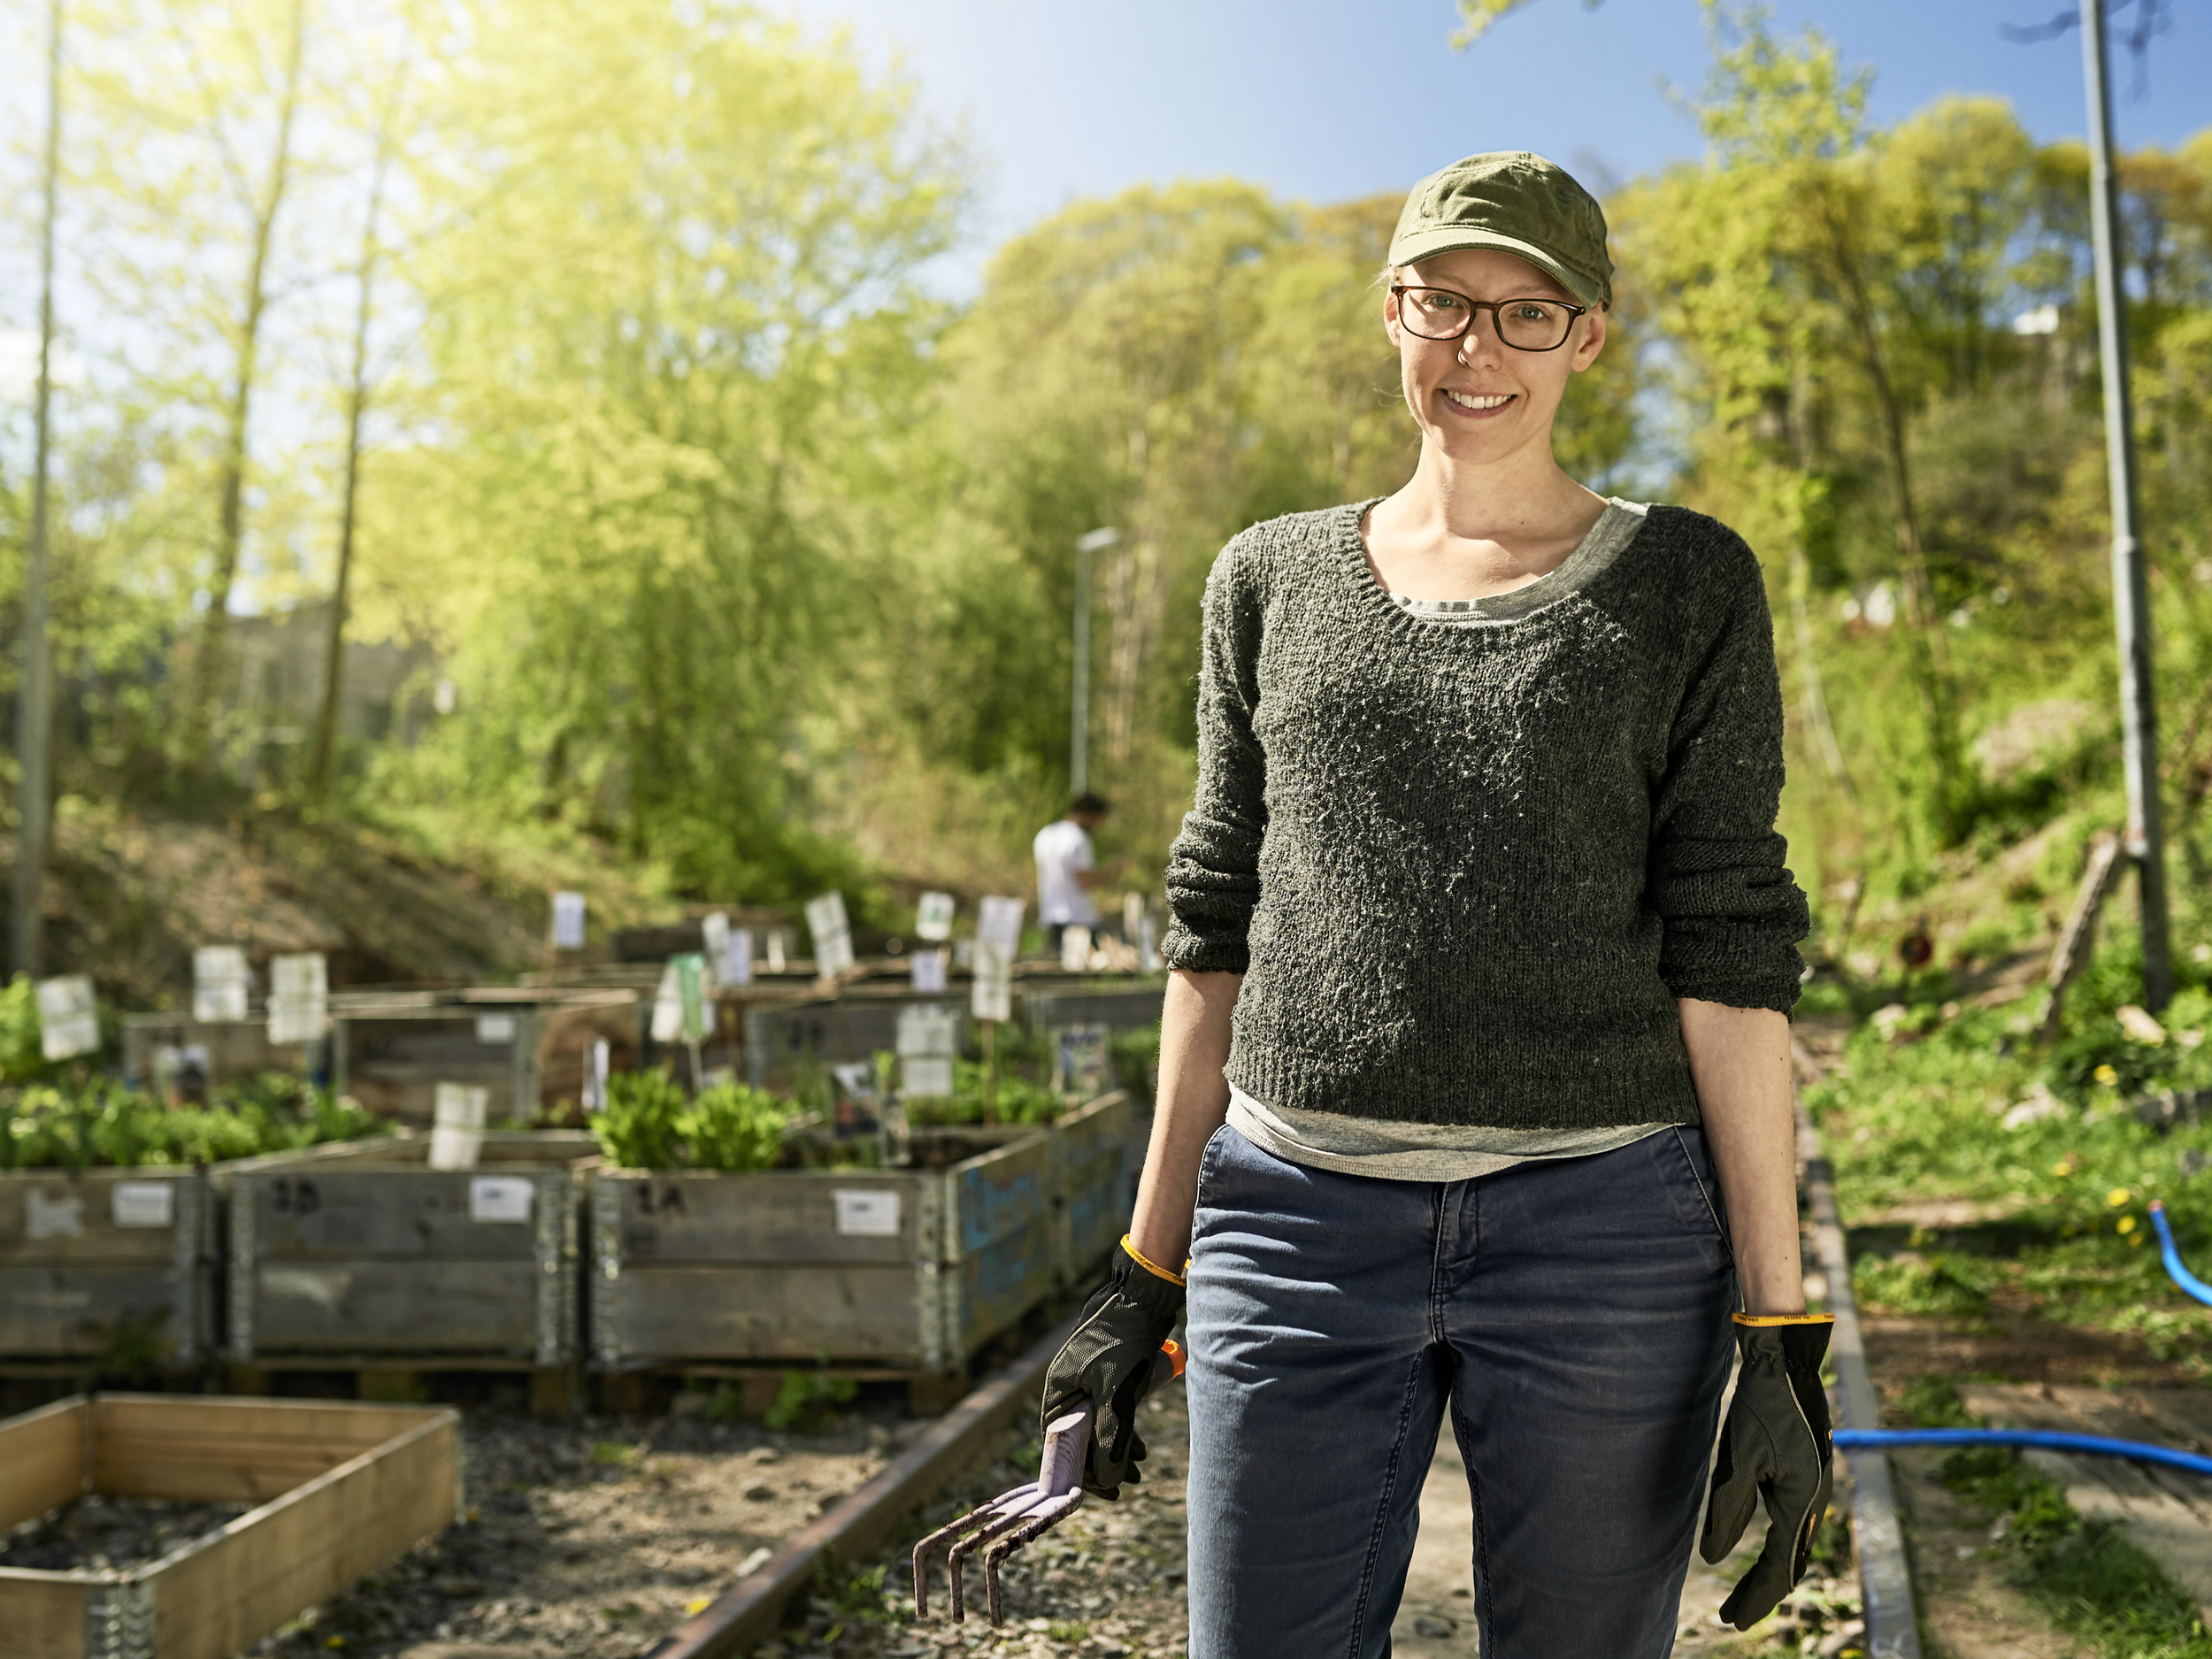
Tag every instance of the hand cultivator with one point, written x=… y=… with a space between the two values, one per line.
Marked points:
x=1017 y=1517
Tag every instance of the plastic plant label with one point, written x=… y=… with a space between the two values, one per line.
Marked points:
x=691 y=995
x=832 y=932
x=568 y=921
x=68 y=1016
x=494 y=1029
x=595 y=1089
x=1147 y=947
x=668 y=1007
x=220 y=981
x=933 y=917
x=457 y=1133
x=1075 y=947
x=1081 y=1064
x=777 y=950
x=1132 y=914
x=926 y=1030
x=999 y=921
x=993 y=996
x=866 y=1215
x=505 y=1198
x=737 y=958
x=45 y=1217
x=928 y=969
x=142 y=1204
x=714 y=930
x=926 y=1077
x=299 y=997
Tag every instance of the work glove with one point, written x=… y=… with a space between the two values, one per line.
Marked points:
x=1109 y=1363
x=1774 y=1446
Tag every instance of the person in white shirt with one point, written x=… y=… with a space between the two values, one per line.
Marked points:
x=1066 y=867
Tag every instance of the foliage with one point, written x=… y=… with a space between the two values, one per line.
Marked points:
x=651 y=1124
x=49 y=1126
x=2088 y=1576
x=807 y=1401
x=2056 y=1169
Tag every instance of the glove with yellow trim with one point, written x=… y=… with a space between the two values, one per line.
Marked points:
x=1109 y=1360
x=1774 y=1446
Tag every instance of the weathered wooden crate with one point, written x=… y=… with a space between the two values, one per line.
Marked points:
x=362 y=1252
x=786 y=1036
x=1094 y=1195
x=236 y=1048
x=343 y=1489
x=1117 y=1007
x=392 y=1056
x=907 y=1269
x=106 y=1263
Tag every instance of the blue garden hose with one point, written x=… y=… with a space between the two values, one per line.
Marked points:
x=2175 y=1271
x=2054 y=1439
x=2050 y=1439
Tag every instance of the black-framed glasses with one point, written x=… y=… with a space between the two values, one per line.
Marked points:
x=1526 y=324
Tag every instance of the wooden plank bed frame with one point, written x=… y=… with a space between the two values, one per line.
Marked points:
x=342 y=1489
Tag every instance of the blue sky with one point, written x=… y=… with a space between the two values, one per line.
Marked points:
x=1324 y=99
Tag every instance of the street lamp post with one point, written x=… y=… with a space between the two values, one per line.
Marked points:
x=2131 y=588
x=1079 y=713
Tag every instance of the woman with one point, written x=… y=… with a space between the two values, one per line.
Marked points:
x=1474 y=1068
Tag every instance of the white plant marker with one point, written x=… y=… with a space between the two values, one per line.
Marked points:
x=993 y=995
x=776 y=952
x=737 y=960
x=928 y=969
x=568 y=921
x=68 y=1016
x=299 y=997
x=832 y=933
x=715 y=932
x=1000 y=921
x=220 y=980
x=668 y=1006
x=456 y=1133
x=929 y=1038
x=594 y=1090
x=933 y=917
x=1075 y=948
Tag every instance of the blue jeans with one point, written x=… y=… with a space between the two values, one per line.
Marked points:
x=1574 y=1315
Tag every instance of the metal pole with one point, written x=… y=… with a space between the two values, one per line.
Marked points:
x=1079 y=711
x=2130 y=590
x=34 y=703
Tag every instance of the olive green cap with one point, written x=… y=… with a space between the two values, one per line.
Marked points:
x=1518 y=203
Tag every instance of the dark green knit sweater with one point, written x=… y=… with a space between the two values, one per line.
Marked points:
x=1467 y=869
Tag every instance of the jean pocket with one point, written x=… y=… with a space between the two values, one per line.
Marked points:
x=1209 y=1165
x=1697 y=1183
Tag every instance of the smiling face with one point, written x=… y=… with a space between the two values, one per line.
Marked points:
x=1478 y=399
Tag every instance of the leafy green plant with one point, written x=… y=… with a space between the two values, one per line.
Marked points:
x=49 y=1126
x=651 y=1124
x=808 y=1400
x=731 y=1126
x=638 y=1128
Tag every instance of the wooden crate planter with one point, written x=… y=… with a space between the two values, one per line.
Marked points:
x=342 y=1490
x=237 y=1049
x=106 y=1264
x=910 y=1270
x=392 y=1056
x=362 y=1252
x=1094 y=1195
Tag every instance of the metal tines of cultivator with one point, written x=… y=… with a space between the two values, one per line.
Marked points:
x=1009 y=1520
x=1035 y=1507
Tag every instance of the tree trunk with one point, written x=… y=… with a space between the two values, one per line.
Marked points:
x=209 y=670
x=1930 y=652
x=357 y=405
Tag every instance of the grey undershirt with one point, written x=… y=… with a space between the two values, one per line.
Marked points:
x=1443 y=1152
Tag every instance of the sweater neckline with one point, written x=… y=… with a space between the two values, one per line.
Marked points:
x=1590 y=558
